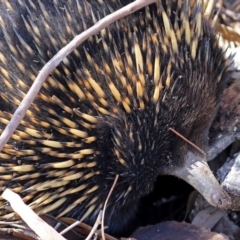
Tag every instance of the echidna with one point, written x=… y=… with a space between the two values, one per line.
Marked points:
x=110 y=106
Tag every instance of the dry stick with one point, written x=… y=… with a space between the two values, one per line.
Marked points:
x=95 y=226
x=104 y=209
x=70 y=227
x=189 y=142
x=40 y=227
x=13 y=224
x=77 y=222
x=54 y=62
x=105 y=206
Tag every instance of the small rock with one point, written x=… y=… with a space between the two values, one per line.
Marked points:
x=175 y=230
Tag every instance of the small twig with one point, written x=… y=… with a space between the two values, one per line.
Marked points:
x=14 y=224
x=55 y=61
x=105 y=206
x=70 y=227
x=40 y=227
x=95 y=226
x=189 y=142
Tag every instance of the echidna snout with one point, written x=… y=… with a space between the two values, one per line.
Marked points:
x=108 y=108
x=197 y=173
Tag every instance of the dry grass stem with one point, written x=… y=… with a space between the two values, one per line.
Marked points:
x=105 y=205
x=186 y=140
x=41 y=228
x=95 y=226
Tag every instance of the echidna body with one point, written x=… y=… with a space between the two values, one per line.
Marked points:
x=108 y=108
